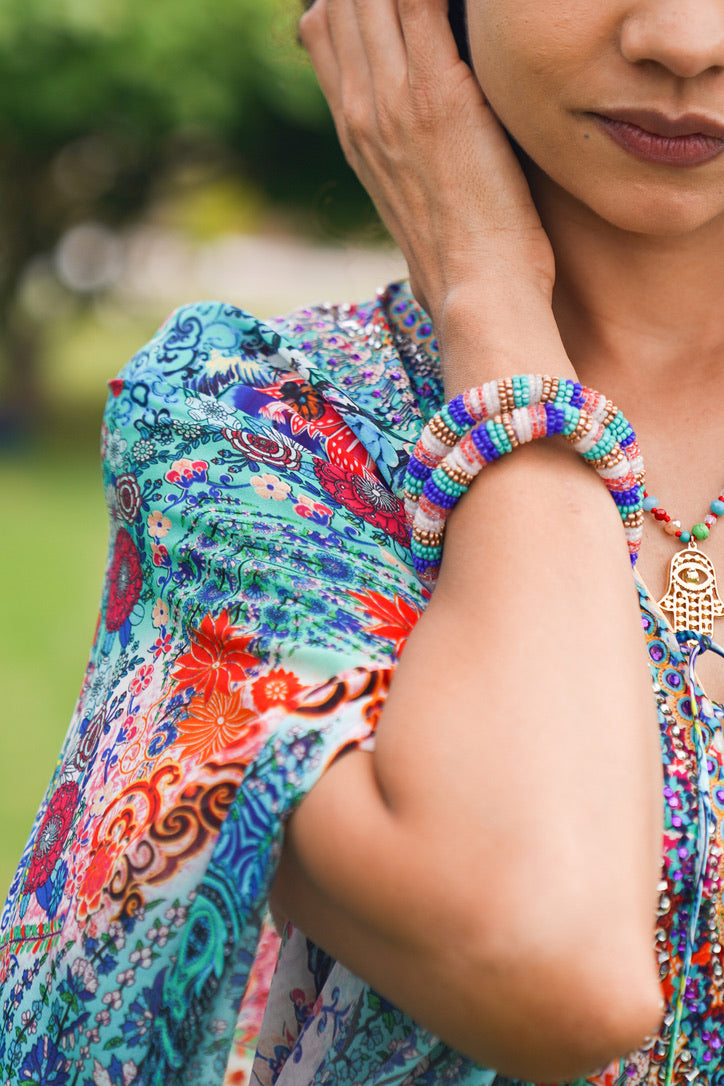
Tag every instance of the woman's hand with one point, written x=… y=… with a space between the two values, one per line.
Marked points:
x=416 y=128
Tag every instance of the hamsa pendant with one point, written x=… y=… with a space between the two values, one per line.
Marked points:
x=692 y=597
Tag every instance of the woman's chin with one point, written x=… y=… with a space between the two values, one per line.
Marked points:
x=670 y=208
x=662 y=214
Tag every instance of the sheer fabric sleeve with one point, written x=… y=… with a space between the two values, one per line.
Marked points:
x=278 y=554
x=256 y=598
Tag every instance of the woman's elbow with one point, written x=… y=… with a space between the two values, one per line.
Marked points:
x=559 y=1009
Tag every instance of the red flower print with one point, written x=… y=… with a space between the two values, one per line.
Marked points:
x=97 y=877
x=216 y=658
x=277 y=688
x=267 y=448
x=124 y=581
x=396 y=616
x=162 y=645
x=364 y=497
x=160 y=554
x=218 y=724
x=52 y=835
x=141 y=679
x=184 y=472
x=128 y=496
x=309 y=509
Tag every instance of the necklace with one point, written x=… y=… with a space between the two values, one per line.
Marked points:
x=691 y=596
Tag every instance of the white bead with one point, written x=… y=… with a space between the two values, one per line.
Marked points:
x=458 y=459
x=427 y=522
x=433 y=445
x=616 y=471
x=589 y=439
x=477 y=407
x=535 y=383
x=522 y=428
x=491 y=398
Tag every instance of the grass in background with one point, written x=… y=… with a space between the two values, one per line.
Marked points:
x=52 y=554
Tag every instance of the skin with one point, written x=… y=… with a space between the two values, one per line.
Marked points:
x=624 y=230
x=594 y=264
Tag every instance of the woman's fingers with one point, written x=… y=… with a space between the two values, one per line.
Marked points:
x=428 y=38
x=380 y=30
x=315 y=36
x=348 y=45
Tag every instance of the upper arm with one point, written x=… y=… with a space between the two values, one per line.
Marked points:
x=504 y=838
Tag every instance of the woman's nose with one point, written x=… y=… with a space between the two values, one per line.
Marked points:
x=684 y=36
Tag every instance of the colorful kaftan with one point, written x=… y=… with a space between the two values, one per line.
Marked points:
x=258 y=593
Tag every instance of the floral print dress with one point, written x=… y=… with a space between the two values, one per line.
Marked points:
x=258 y=593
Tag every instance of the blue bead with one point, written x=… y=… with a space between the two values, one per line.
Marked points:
x=423 y=566
x=717 y=507
x=650 y=503
x=437 y=496
x=554 y=419
x=685 y=537
x=416 y=469
x=459 y=412
x=483 y=443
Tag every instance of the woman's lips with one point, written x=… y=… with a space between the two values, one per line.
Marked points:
x=688 y=141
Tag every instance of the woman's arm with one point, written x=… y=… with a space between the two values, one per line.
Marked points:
x=492 y=867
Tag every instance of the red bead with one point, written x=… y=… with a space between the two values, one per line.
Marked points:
x=661 y=514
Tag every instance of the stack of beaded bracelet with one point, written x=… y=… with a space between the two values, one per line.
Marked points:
x=483 y=424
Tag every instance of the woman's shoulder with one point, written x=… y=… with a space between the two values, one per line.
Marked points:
x=202 y=340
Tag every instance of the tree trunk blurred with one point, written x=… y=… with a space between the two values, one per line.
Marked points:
x=21 y=407
x=27 y=207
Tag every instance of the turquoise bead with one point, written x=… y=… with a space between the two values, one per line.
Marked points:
x=650 y=503
x=685 y=537
x=521 y=391
x=717 y=507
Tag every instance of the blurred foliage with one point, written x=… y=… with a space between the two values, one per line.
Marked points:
x=109 y=105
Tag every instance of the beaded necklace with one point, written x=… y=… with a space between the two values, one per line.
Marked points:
x=691 y=596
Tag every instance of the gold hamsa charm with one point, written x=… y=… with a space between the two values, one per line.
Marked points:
x=692 y=596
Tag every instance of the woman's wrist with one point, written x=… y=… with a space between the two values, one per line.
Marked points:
x=497 y=329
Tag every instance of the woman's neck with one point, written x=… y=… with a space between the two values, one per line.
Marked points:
x=637 y=312
x=642 y=319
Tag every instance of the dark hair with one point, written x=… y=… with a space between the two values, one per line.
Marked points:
x=459 y=27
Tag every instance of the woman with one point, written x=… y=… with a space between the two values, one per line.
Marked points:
x=489 y=863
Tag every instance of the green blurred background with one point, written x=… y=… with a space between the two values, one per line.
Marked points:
x=151 y=152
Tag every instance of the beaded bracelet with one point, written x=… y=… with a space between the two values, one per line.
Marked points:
x=479 y=426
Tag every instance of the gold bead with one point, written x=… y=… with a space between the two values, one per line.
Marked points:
x=463 y=478
x=429 y=538
x=443 y=433
x=508 y=426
